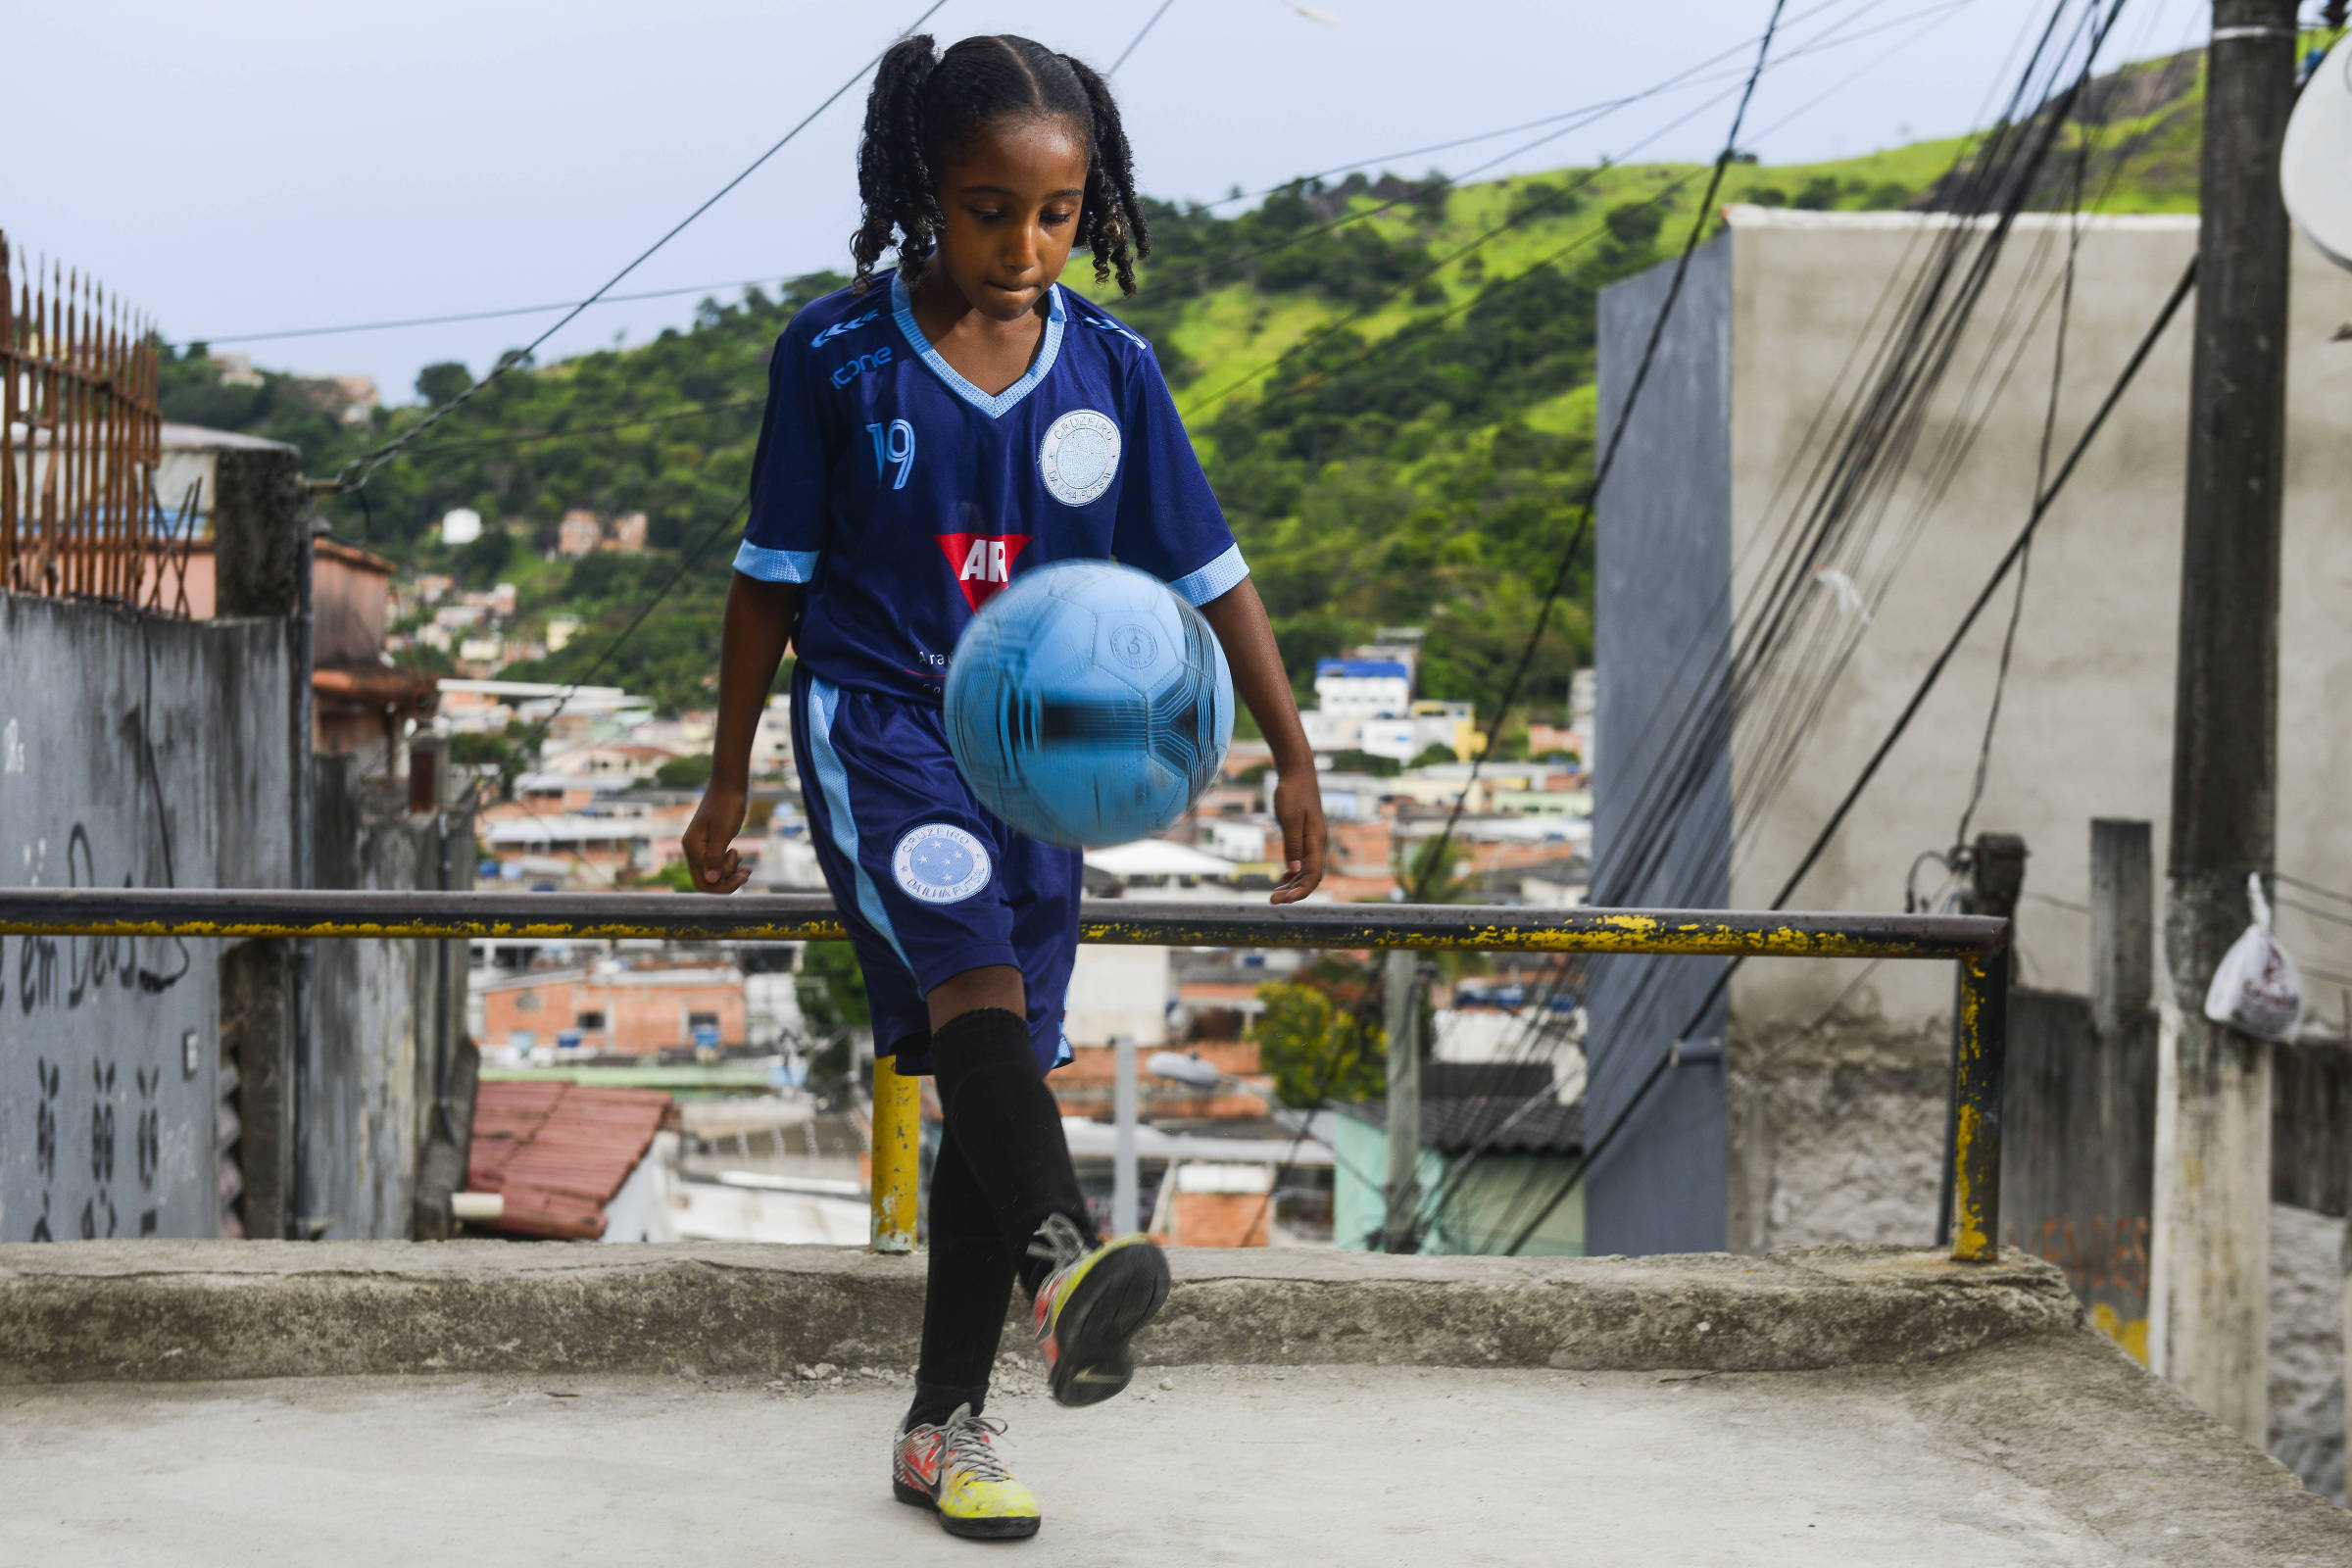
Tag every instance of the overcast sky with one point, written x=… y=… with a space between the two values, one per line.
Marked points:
x=240 y=166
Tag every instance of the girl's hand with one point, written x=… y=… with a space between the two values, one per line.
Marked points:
x=709 y=841
x=1299 y=808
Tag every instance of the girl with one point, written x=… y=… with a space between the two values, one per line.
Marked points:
x=929 y=434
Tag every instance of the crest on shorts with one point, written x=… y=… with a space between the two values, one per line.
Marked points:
x=939 y=863
x=1079 y=456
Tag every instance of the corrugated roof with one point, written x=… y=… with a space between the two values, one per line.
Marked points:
x=557 y=1152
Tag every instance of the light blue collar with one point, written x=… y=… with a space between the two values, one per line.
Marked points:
x=902 y=310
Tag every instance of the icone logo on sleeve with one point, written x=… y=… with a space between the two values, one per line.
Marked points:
x=982 y=561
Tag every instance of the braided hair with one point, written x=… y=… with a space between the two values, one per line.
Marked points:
x=925 y=106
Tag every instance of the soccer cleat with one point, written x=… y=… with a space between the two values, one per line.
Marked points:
x=950 y=1470
x=1092 y=1306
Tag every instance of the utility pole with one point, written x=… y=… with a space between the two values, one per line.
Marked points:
x=2208 y=1302
x=1404 y=1098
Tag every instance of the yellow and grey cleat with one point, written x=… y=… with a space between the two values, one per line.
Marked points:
x=1091 y=1307
x=952 y=1470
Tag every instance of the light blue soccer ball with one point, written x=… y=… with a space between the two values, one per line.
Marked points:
x=1088 y=705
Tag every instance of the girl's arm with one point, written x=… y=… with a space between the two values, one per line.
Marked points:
x=1239 y=619
x=762 y=617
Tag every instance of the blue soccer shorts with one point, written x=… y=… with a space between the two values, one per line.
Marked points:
x=929 y=882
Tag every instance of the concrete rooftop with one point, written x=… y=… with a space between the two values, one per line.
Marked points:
x=1846 y=1407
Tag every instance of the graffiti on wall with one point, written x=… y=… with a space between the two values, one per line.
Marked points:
x=61 y=976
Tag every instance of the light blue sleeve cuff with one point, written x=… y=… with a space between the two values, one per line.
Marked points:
x=778 y=565
x=1214 y=581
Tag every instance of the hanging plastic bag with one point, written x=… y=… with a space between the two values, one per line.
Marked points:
x=2257 y=989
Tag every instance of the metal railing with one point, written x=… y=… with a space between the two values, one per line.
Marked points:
x=1977 y=944
x=81 y=440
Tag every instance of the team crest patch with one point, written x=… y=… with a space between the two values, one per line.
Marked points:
x=1079 y=457
x=940 y=863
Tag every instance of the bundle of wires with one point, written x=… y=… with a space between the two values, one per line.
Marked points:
x=1842 y=518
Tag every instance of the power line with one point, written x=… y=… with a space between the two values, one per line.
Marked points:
x=1903 y=723
x=687 y=562
x=2313 y=887
x=1997 y=172
x=1434 y=858
x=2053 y=111
x=356 y=473
x=471 y=315
x=699 y=412
x=1585 y=114
x=1876 y=438
x=1608 y=104
x=1141 y=34
x=2042 y=470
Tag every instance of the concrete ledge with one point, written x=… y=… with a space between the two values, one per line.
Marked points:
x=178 y=1311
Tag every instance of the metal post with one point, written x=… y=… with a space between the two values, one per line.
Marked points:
x=898 y=1155
x=1996 y=875
x=1404 y=1098
x=2208 y=1308
x=1123 y=1185
x=1984 y=1058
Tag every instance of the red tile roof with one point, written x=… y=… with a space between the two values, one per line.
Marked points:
x=559 y=1153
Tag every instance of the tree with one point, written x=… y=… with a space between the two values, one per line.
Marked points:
x=1435 y=752
x=439 y=383
x=684 y=772
x=481 y=561
x=1313 y=1041
x=1820 y=194
x=1355 y=762
x=478 y=749
x=1431 y=872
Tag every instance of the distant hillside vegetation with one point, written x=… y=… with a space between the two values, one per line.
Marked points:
x=1399 y=438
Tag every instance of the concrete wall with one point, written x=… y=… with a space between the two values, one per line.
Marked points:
x=140 y=750
x=2086 y=727
x=378 y=1053
x=1661 y=644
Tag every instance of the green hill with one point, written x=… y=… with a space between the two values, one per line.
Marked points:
x=1389 y=382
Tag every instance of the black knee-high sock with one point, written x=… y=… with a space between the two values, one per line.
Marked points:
x=1008 y=1128
x=971 y=1285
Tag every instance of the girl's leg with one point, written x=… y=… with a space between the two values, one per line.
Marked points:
x=970 y=1288
x=1001 y=1115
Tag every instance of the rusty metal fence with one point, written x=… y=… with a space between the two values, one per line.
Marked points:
x=81 y=440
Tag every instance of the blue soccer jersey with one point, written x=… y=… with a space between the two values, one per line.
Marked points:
x=906 y=496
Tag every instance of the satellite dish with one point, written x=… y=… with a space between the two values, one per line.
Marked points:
x=2313 y=165
x=461 y=525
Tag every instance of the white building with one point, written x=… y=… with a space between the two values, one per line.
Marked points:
x=1363 y=688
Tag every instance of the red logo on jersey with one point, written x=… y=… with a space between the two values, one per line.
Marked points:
x=983 y=562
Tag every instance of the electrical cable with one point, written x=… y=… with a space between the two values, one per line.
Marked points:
x=1653 y=92
x=2042 y=469
x=1594 y=110
x=356 y=473
x=2123 y=158
x=1137 y=40
x=1436 y=859
x=699 y=412
x=2313 y=887
x=1910 y=709
x=1432 y=859
x=1664 y=805
x=687 y=561
x=470 y=316
x=1984 y=175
